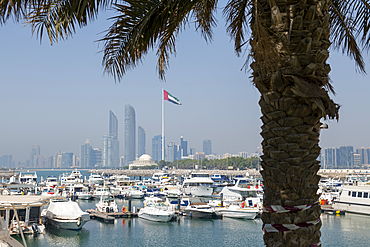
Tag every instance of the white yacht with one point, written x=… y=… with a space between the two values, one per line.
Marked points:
x=27 y=178
x=200 y=210
x=354 y=199
x=65 y=214
x=199 y=184
x=51 y=182
x=96 y=179
x=74 y=177
x=101 y=191
x=236 y=211
x=155 y=210
x=244 y=190
x=107 y=204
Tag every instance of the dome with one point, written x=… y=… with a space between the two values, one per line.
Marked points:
x=145 y=157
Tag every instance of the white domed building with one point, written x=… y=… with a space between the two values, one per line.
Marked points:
x=144 y=160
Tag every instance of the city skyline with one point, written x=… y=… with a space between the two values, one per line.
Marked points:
x=59 y=103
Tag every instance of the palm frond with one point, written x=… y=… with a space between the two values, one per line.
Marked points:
x=236 y=14
x=350 y=22
x=145 y=25
x=60 y=18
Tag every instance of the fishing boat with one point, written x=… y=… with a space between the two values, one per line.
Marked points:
x=107 y=204
x=155 y=210
x=65 y=214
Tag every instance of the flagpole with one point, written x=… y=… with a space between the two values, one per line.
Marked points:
x=162 y=124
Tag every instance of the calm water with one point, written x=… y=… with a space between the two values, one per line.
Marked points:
x=338 y=231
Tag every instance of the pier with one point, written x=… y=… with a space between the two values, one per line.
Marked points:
x=109 y=217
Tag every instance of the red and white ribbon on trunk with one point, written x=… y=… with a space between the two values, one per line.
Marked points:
x=286 y=209
x=288 y=227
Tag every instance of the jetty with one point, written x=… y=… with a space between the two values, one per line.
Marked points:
x=109 y=217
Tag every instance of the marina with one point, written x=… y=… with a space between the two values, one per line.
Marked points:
x=145 y=211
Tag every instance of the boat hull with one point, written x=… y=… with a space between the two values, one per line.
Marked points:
x=200 y=214
x=163 y=217
x=67 y=224
x=238 y=214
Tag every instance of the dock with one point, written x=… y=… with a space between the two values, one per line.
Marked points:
x=328 y=209
x=109 y=217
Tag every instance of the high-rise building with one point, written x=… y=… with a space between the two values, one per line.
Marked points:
x=157 y=148
x=85 y=151
x=6 y=161
x=192 y=151
x=207 y=147
x=141 y=141
x=110 y=152
x=95 y=157
x=341 y=157
x=67 y=160
x=171 y=152
x=365 y=155
x=33 y=153
x=183 y=147
x=129 y=137
x=113 y=125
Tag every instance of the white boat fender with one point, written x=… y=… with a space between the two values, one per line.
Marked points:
x=78 y=221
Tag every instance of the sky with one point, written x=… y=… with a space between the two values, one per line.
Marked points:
x=57 y=96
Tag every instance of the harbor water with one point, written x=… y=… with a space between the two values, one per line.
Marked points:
x=338 y=231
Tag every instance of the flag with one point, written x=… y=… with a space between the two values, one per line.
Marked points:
x=170 y=98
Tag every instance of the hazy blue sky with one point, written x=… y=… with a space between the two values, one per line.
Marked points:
x=58 y=96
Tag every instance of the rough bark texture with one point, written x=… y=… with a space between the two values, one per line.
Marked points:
x=290 y=41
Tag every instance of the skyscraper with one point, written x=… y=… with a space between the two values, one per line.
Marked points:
x=141 y=140
x=207 y=147
x=129 y=137
x=157 y=148
x=171 y=152
x=183 y=147
x=85 y=151
x=33 y=153
x=113 y=125
x=110 y=152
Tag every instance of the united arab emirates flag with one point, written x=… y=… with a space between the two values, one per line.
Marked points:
x=170 y=98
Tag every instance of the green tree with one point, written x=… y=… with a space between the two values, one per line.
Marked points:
x=289 y=45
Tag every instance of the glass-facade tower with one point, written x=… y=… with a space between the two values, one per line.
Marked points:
x=141 y=137
x=129 y=135
x=157 y=148
x=110 y=152
x=207 y=147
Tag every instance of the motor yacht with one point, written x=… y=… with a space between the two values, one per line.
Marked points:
x=96 y=179
x=236 y=211
x=199 y=184
x=65 y=214
x=200 y=210
x=155 y=210
x=107 y=204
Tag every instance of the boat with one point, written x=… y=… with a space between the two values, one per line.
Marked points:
x=236 y=211
x=136 y=193
x=199 y=184
x=243 y=190
x=101 y=191
x=96 y=179
x=107 y=204
x=51 y=182
x=28 y=178
x=354 y=199
x=74 y=177
x=200 y=210
x=65 y=214
x=155 y=210
x=5 y=238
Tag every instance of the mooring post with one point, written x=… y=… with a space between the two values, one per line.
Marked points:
x=222 y=199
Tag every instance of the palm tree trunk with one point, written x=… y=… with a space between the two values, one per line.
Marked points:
x=290 y=41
